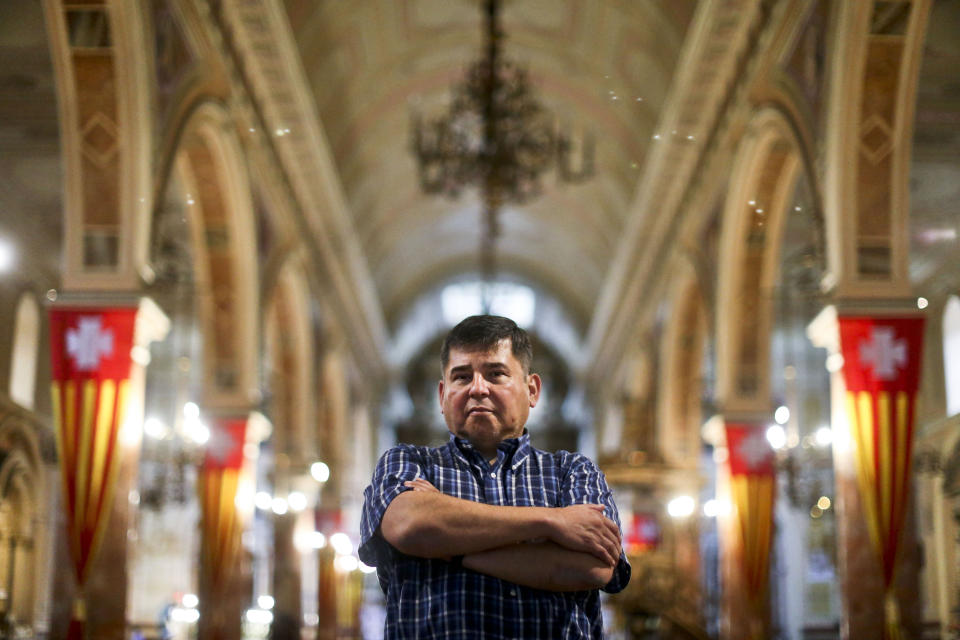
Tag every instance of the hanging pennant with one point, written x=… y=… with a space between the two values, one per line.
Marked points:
x=881 y=368
x=90 y=357
x=642 y=532
x=753 y=487
x=217 y=486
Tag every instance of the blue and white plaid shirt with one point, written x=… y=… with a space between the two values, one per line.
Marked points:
x=430 y=598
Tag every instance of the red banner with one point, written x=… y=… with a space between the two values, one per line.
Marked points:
x=881 y=368
x=217 y=488
x=753 y=487
x=90 y=358
x=328 y=521
x=642 y=533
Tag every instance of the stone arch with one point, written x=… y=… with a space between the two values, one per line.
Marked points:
x=290 y=365
x=682 y=350
x=951 y=354
x=765 y=172
x=22 y=508
x=222 y=237
x=26 y=349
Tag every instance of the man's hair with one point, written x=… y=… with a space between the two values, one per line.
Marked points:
x=485 y=333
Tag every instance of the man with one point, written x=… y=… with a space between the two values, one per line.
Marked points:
x=488 y=537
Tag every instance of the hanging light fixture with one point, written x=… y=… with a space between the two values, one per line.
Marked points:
x=495 y=137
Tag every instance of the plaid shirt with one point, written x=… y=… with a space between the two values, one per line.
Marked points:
x=430 y=598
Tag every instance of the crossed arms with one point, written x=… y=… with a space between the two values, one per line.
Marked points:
x=574 y=548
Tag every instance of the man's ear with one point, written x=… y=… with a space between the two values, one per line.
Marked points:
x=440 y=395
x=533 y=387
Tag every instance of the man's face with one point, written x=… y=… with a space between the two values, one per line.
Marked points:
x=485 y=396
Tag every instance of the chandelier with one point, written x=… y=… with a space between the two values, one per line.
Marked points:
x=495 y=137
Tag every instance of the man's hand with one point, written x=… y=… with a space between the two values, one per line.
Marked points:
x=581 y=527
x=584 y=528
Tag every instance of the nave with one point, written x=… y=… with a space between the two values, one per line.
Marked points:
x=229 y=252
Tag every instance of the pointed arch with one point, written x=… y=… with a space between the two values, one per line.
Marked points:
x=682 y=350
x=765 y=172
x=220 y=216
x=26 y=349
x=290 y=364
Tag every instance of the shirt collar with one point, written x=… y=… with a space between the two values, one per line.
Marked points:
x=515 y=450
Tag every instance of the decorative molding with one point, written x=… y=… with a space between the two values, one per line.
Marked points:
x=259 y=41
x=712 y=80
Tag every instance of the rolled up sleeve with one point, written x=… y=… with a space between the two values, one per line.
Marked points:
x=584 y=483
x=395 y=467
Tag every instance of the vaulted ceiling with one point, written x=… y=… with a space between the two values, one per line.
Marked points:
x=601 y=66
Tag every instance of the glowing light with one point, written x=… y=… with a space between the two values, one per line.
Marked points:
x=181 y=614
x=131 y=433
x=715 y=507
x=7 y=256
x=464 y=299
x=279 y=506
x=366 y=568
x=265 y=602
x=681 y=507
x=297 y=501
x=782 y=415
x=190 y=600
x=317 y=540
x=320 y=471
x=198 y=432
x=776 y=436
x=341 y=543
x=244 y=499
x=191 y=410
x=263 y=500
x=345 y=564
x=824 y=503
x=258 y=616
x=922 y=303
x=823 y=436
x=155 y=429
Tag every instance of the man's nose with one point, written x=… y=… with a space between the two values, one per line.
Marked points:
x=478 y=386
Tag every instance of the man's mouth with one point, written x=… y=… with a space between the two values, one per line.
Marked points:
x=479 y=410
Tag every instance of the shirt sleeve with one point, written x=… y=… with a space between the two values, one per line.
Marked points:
x=398 y=465
x=584 y=483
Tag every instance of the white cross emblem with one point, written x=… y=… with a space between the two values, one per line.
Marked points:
x=222 y=444
x=88 y=343
x=649 y=530
x=884 y=352
x=754 y=449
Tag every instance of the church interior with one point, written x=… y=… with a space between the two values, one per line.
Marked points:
x=233 y=234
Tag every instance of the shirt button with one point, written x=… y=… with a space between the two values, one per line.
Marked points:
x=513 y=592
x=493 y=474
